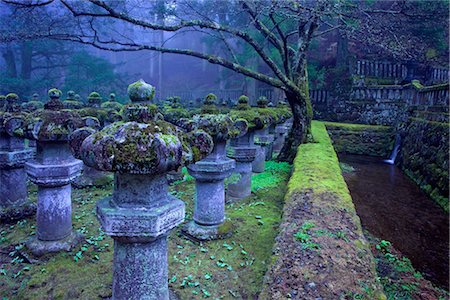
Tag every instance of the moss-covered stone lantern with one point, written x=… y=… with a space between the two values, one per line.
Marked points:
x=111 y=104
x=94 y=100
x=140 y=214
x=14 y=203
x=32 y=105
x=72 y=102
x=243 y=150
x=209 y=105
x=209 y=174
x=52 y=171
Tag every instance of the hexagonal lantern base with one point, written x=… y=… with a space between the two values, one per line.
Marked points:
x=140 y=245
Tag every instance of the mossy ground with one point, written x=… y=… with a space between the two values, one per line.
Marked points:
x=223 y=269
x=397 y=275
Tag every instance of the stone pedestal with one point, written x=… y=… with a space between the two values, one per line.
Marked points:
x=139 y=216
x=209 y=211
x=92 y=177
x=14 y=203
x=281 y=132
x=52 y=171
x=264 y=140
x=259 y=163
x=243 y=151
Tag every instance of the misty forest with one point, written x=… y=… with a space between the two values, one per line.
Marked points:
x=224 y=149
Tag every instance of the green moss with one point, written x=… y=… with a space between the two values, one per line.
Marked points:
x=272 y=176
x=416 y=83
x=54 y=93
x=11 y=97
x=358 y=127
x=373 y=140
x=316 y=166
x=237 y=264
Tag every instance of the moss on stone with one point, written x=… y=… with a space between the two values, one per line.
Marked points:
x=317 y=194
x=140 y=91
x=373 y=140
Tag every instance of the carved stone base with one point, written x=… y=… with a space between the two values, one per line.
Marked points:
x=199 y=232
x=39 y=247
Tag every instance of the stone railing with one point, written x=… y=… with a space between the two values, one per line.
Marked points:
x=439 y=75
x=380 y=69
x=319 y=96
x=431 y=95
x=377 y=93
x=409 y=94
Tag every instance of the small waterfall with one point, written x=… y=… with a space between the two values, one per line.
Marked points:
x=394 y=152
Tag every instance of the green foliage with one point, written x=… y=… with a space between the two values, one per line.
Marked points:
x=339 y=82
x=87 y=72
x=397 y=275
x=316 y=75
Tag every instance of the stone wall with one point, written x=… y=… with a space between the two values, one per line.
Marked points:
x=373 y=140
x=379 y=104
x=320 y=252
x=424 y=153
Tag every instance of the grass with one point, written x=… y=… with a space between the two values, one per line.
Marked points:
x=223 y=269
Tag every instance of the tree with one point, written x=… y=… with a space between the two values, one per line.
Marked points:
x=276 y=34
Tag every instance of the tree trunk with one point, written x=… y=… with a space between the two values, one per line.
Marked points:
x=302 y=116
x=10 y=60
x=301 y=127
x=26 y=53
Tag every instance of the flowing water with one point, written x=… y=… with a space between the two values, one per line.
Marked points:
x=393 y=208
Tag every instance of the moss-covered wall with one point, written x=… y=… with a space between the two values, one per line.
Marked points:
x=424 y=157
x=320 y=252
x=382 y=112
x=373 y=140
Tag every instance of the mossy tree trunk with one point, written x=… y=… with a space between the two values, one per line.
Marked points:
x=300 y=104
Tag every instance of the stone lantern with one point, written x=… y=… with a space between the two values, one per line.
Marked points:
x=32 y=105
x=243 y=149
x=52 y=171
x=209 y=105
x=14 y=203
x=94 y=100
x=281 y=131
x=140 y=213
x=263 y=138
x=72 y=102
x=89 y=176
x=209 y=174
x=174 y=113
x=112 y=103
